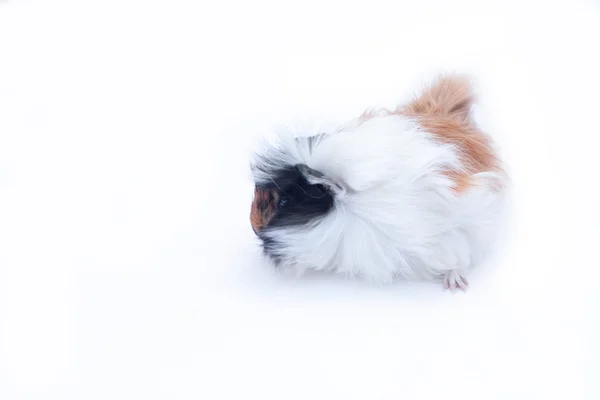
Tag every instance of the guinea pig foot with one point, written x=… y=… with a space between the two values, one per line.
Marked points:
x=453 y=280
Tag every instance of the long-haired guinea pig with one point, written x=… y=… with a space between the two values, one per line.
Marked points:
x=416 y=192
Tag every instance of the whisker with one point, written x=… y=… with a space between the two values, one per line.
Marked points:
x=312 y=197
x=278 y=187
x=300 y=187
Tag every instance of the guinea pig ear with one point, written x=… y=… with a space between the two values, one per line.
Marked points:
x=318 y=178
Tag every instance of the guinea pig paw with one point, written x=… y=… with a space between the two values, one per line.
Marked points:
x=453 y=280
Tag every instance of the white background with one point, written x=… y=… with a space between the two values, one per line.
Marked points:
x=128 y=269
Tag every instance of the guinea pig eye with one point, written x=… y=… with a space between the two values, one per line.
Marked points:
x=283 y=202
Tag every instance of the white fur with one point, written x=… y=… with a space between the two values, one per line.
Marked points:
x=400 y=218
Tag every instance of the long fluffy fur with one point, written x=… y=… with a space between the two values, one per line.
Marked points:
x=426 y=191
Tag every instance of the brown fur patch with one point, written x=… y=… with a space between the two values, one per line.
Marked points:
x=444 y=110
x=264 y=206
x=449 y=96
x=475 y=147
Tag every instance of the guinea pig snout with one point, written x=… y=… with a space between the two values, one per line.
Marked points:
x=263 y=209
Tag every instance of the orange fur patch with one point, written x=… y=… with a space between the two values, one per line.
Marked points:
x=264 y=206
x=444 y=110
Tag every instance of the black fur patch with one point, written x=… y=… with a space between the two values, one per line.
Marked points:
x=299 y=201
x=270 y=247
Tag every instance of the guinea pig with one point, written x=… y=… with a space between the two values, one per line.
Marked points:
x=414 y=192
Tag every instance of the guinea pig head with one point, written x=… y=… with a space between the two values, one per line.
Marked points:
x=292 y=196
